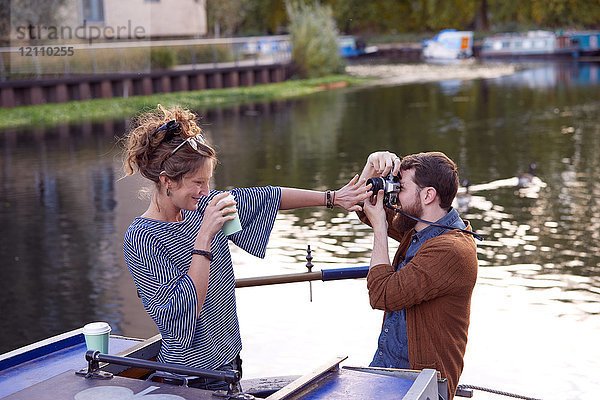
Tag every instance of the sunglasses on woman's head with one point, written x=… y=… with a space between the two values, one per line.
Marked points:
x=193 y=141
x=172 y=129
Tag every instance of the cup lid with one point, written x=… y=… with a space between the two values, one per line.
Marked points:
x=96 y=328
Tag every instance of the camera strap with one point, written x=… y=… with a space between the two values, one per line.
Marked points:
x=399 y=210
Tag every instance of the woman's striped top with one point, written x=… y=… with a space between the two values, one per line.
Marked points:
x=158 y=255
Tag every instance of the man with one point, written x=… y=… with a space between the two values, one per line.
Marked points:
x=426 y=291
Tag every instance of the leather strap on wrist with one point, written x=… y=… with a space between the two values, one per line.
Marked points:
x=204 y=253
x=329 y=201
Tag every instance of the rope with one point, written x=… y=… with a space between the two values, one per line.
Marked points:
x=484 y=389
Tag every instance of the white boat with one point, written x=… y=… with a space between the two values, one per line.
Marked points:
x=538 y=44
x=449 y=44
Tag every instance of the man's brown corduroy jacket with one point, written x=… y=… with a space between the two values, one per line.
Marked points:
x=435 y=289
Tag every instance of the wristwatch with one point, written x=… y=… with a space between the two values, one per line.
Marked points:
x=204 y=253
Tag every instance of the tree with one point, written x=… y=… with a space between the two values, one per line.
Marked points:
x=388 y=16
x=225 y=16
x=313 y=36
x=4 y=23
x=481 y=18
x=36 y=12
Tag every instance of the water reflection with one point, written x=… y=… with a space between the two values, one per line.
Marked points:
x=551 y=75
x=59 y=254
x=64 y=210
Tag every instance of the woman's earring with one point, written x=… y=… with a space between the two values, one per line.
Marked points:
x=168 y=192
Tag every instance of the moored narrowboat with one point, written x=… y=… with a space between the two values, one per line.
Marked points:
x=533 y=44
x=587 y=41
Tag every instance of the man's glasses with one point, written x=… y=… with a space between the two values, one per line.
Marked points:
x=172 y=129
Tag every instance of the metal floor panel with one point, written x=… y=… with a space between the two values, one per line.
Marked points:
x=70 y=386
x=39 y=369
x=353 y=385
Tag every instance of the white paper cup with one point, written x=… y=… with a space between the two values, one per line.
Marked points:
x=96 y=336
x=233 y=226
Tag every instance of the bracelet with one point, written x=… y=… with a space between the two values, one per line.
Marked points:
x=329 y=202
x=204 y=253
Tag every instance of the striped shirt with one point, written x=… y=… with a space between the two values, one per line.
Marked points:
x=158 y=255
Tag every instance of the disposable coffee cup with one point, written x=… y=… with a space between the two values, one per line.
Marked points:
x=96 y=336
x=233 y=226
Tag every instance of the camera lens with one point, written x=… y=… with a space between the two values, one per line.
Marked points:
x=377 y=183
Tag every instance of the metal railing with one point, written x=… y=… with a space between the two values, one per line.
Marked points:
x=39 y=61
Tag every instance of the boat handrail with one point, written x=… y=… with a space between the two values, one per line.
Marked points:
x=331 y=274
x=94 y=357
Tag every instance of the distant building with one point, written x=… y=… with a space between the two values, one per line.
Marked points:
x=164 y=18
x=109 y=20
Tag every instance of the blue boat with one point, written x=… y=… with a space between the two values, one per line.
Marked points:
x=350 y=47
x=61 y=367
x=587 y=41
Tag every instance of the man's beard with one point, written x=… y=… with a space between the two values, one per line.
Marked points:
x=404 y=223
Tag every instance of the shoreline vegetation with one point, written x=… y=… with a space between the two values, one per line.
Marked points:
x=98 y=110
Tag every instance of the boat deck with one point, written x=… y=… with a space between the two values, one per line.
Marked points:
x=340 y=384
x=26 y=369
x=46 y=370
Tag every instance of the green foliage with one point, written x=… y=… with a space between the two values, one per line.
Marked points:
x=203 y=54
x=225 y=16
x=313 y=36
x=246 y=17
x=265 y=17
x=99 y=110
x=116 y=60
x=162 y=58
x=398 y=16
x=440 y=14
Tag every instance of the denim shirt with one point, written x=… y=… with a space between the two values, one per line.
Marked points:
x=392 y=347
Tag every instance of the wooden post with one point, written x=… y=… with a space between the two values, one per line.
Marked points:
x=105 y=89
x=36 y=95
x=8 y=97
x=147 y=85
x=165 y=84
x=62 y=94
x=85 y=93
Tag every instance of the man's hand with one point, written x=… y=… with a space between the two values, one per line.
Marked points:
x=377 y=216
x=373 y=208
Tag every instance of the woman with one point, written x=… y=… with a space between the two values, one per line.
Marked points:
x=176 y=252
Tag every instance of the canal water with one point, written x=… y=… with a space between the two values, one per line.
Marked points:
x=536 y=307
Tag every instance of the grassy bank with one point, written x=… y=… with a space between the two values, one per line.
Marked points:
x=102 y=109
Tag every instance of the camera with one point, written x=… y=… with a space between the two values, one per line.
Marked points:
x=390 y=186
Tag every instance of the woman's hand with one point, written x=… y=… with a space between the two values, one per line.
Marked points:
x=374 y=210
x=381 y=163
x=219 y=210
x=352 y=196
